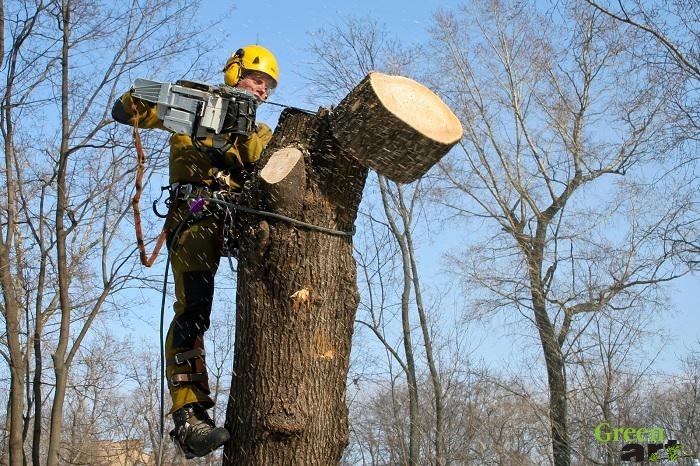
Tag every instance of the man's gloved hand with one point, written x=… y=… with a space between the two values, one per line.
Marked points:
x=123 y=113
x=255 y=143
x=263 y=131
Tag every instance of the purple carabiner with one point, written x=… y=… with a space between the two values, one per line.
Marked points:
x=197 y=205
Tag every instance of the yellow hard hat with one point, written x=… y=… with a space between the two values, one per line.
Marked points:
x=250 y=57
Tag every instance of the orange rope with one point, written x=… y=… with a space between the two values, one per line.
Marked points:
x=140 y=168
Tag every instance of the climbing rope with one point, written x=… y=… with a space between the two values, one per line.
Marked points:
x=293 y=221
x=140 y=169
x=164 y=293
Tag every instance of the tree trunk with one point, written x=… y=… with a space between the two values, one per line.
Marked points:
x=554 y=361
x=17 y=364
x=61 y=366
x=297 y=289
x=558 y=408
x=297 y=297
x=11 y=301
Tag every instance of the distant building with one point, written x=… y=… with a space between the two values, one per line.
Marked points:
x=122 y=453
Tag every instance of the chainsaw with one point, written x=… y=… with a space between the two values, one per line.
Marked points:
x=198 y=109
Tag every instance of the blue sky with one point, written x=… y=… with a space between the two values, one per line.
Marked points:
x=284 y=28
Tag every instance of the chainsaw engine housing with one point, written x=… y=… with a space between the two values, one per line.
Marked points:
x=199 y=109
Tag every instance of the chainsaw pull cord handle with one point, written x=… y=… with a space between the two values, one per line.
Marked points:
x=140 y=168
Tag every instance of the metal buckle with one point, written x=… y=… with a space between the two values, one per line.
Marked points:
x=181 y=358
x=184 y=191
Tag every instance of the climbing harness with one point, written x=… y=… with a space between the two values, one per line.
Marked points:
x=219 y=198
x=201 y=197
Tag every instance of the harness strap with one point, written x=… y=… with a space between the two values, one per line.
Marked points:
x=181 y=358
x=177 y=379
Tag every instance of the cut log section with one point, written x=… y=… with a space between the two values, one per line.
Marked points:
x=396 y=126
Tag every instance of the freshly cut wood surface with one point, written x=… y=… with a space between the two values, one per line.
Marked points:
x=396 y=126
x=280 y=164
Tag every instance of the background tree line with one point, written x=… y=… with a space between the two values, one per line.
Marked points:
x=567 y=209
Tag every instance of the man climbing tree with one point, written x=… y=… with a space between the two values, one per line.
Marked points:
x=213 y=166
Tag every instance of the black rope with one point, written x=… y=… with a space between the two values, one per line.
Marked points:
x=303 y=110
x=293 y=221
x=162 y=358
x=164 y=292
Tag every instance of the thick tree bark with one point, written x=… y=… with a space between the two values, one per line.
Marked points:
x=297 y=297
x=558 y=409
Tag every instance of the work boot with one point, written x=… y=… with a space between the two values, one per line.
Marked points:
x=195 y=432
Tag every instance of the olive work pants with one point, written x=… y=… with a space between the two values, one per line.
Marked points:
x=195 y=251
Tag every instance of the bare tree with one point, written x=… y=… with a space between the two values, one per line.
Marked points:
x=610 y=366
x=674 y=403
x=66 y=187
x=400 y=211
x=556 y=147
x=345 y=52
x=671 y=28
x=489 y=423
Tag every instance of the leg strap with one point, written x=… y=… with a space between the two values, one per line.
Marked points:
x=177 y=379
x=182 y=358
x=196 y=372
